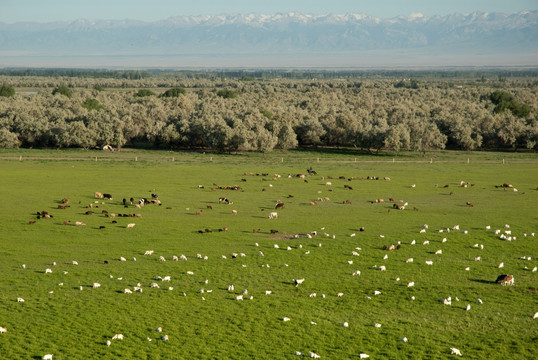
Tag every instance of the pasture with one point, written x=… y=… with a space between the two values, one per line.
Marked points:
x=320 y=243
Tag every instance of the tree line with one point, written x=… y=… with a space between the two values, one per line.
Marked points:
x=244 y=114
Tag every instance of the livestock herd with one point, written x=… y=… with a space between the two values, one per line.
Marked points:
x=105 y=200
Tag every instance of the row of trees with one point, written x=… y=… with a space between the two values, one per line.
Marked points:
x=230 y=115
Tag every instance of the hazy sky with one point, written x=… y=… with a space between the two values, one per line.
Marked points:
x=149 y=10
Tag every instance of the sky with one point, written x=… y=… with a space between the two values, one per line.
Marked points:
x=12 y=11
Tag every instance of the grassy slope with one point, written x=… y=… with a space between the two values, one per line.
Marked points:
x=76 y=324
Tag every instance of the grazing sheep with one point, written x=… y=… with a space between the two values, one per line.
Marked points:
x=345 y=324
x=313 y=355
x=19 y=299
x=161 y=258
x=356 y=272
x=468 y=307
x=3 y=330
x=447 y=301
x=273 y=215
x=363 y=356
x=47 y=357
x=48 y=271
x=410 y=260
x=127 y=291
x=117 y=337
x=454 y=351
x=298 y=282
x=429 y=262
x=131 y=225
x=438 y=252
x=123 y=259
x=382 y=268
x=96 y=285
x=164 y=338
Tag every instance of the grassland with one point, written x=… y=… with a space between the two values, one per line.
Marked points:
x=75 y=324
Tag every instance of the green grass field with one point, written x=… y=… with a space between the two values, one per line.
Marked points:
x=75 y=324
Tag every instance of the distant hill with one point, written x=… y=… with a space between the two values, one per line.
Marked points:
x=279 y=40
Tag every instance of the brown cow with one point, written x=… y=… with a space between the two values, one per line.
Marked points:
x=505 y=280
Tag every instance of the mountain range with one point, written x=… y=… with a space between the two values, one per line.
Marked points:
x=277 y=40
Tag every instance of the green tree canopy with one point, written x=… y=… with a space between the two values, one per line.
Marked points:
x=227 y=94
x=63 y=90
x=145 y=92
x=7 y=91
x=92 y=104
x=174 y=92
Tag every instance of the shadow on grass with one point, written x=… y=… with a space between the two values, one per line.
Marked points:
x=483 y=281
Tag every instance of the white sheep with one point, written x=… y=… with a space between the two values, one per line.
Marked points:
x=447 y=301
x=75 y=262
x=345 y=324
x=96 y=285
x=239 y=297
x=454 y=351
x=439 y=252
x=298 y=282
x=164 y=338
x=166 y=278
x=117 y=337
x=382 y=268
x=273 y=215
x=356 y=272
x=410 y=260
x=123 y=259
x=411 y=284
x=313 y=355
x=175 y=258
x=131 y=225
x=127 y=291
x=413 y=242
x=183 y=257
x=377 y=292
x=148 y=252
x=161 y=258
x=468 y=307
x=47 y=357
x=48 y=271
x=363 y=356
x=19 y=299
x=429 y=262
x=3 y=330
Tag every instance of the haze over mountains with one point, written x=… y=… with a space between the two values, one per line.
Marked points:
x=279 y=40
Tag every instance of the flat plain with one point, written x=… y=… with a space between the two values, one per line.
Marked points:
x=318 y=240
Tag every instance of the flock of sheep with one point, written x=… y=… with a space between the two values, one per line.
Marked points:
x=158 y=282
